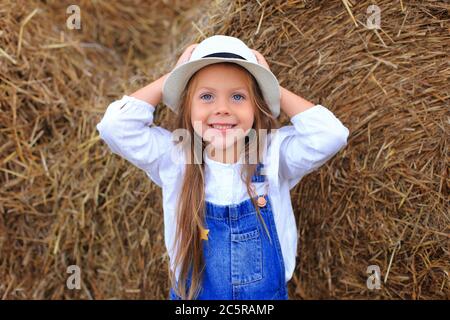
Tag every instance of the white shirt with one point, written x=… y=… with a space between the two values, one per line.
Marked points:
x=294 y=151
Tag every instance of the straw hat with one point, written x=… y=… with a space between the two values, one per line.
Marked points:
x=215 y=49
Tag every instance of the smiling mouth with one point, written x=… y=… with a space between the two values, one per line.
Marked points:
x=222 y=127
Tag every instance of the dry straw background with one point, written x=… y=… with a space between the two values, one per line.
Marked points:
x=66 y=199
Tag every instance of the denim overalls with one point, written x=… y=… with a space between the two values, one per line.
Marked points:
x=240 y=261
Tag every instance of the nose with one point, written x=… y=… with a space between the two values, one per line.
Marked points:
x=222 y=107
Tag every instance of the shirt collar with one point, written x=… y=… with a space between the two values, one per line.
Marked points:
x=215 y=163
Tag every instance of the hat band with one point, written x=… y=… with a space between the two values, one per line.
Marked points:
x=224 y=55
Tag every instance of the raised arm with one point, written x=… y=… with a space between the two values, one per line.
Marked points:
x=317 y=134
x=152 y=93
x=125 y=127
x=317 y=137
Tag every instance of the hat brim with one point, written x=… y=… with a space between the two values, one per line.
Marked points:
x=176 y=81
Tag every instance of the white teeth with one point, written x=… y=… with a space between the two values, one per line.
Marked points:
x=216 y=126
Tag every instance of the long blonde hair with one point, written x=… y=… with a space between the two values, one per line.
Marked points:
x=191 y=203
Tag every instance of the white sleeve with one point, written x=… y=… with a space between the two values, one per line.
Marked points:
x=125 y=127
x=317 y=137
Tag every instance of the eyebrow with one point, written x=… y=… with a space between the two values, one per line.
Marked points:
x=232 y=89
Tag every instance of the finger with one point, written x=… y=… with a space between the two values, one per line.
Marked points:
x=256 y=54
x=189 y=53
x=189 y=49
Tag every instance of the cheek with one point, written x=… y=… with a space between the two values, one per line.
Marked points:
x=247 y=118
x=198 y=121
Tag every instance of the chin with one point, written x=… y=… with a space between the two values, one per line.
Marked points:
x=220 y=144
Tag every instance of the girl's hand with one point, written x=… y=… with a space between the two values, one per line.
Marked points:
x=261 y=59
x=185 y=56
x=152 y=93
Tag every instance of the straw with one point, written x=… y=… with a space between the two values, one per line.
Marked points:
x=65 y=199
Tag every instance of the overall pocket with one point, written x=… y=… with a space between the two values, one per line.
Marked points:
x=246 y=257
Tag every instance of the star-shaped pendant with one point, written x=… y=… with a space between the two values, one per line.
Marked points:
x=204 y=233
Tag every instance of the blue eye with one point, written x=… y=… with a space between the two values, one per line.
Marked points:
x=207 y=94
x=239 y=95
x=208 y=97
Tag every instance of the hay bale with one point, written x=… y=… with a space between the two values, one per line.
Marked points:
x=383 y=200
x=65 y=199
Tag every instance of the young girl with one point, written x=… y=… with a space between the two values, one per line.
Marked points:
x=230 y=230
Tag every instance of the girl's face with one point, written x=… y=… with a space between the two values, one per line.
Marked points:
x=221 y=109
